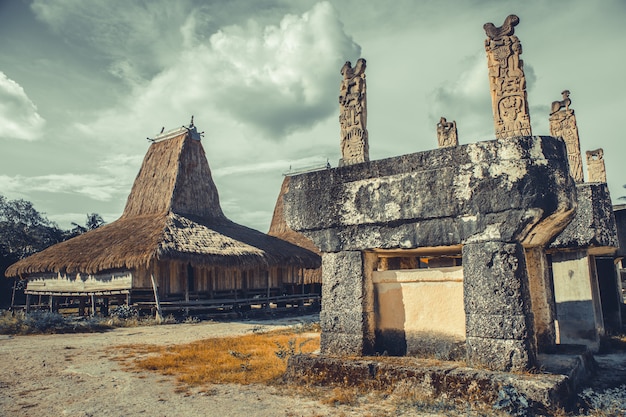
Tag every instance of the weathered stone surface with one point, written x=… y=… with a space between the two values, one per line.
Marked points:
x=619 y=211
x=497 y=306
x=594 y=223
x=447 y=134
x=516 y=190
x=563 y=125
x=498 y=326
x=449 y=380
x=496 y=190
x=500 y=354
x=353 y=114
x=345 y=309
x=596 y=171
x=495 y=279
x=507 y=80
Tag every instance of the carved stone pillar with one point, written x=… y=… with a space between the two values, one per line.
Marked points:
x=507 y=80
x=563 y=125
x=446 y=133
x=499 y=319
x=353 y=114
x=596 y=171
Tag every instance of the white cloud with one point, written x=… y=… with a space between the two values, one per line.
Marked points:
x=96 y=187
x=139 y=38
x=19 y=118
x=466 y=100
x=273 y=79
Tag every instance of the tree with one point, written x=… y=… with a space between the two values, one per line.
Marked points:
x=94 y=220
x=23 y=231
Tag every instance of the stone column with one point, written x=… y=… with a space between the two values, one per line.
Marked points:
x=563 y=125
x=498 y=316
x=576 y=292
x=347 y=312
x=507 y=80
x=542 y=299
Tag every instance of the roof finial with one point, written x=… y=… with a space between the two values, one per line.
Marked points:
x=191 y=124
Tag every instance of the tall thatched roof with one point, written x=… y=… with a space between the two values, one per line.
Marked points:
x=281 y=229
x=172 y=213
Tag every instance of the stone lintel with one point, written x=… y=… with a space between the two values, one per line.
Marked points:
x=476 y=192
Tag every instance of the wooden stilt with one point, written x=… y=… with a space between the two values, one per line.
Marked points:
x=157 y=316
x=27 y=303
x=13 y=294
x=93 y=305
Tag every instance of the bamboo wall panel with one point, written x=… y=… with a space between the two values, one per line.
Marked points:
x=80 y=282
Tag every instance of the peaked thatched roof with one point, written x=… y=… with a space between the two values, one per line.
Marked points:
x=172 y=213
x=280 y=229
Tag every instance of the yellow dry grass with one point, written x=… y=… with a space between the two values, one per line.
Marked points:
x=253 y=358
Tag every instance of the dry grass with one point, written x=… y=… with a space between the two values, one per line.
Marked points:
x=253 y=358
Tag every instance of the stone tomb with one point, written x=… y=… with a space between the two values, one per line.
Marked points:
x=487 y=204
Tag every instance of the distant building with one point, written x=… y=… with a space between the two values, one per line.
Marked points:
x=172 y=244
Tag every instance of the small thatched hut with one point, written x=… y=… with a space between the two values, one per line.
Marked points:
x=172 y=242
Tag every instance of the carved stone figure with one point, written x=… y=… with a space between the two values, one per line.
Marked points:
x=353 y=114
x=563 y=125
x=446 y=133
x=596 y=171
x=507 y=80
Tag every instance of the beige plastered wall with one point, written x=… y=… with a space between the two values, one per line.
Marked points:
x=420 y=300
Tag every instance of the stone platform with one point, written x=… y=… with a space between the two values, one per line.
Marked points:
x=553 y=386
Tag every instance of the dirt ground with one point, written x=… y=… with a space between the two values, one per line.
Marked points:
x=76 y=375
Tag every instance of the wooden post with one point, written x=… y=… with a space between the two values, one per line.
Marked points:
x=51 y=304
x=267 y=279
x=157 y=316
x=189 y=276
x=93 y=305
x=27 y=303
x=13 y=294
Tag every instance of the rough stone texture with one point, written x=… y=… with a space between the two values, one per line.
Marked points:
x=507 y=190
x=344 y=319
x=594 y=223
x=596 y=171
x=619 y=211
x=491 y=197
x=447 y=134
x=563 y=125
x=443 y=380
x=499 y=319
x=507 y=80
x=353 y=114
x=500 y=354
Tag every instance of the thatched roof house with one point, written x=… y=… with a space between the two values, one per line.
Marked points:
x=280 y=229
x=173 y=232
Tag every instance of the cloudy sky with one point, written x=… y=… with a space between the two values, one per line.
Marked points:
x=84 y=82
